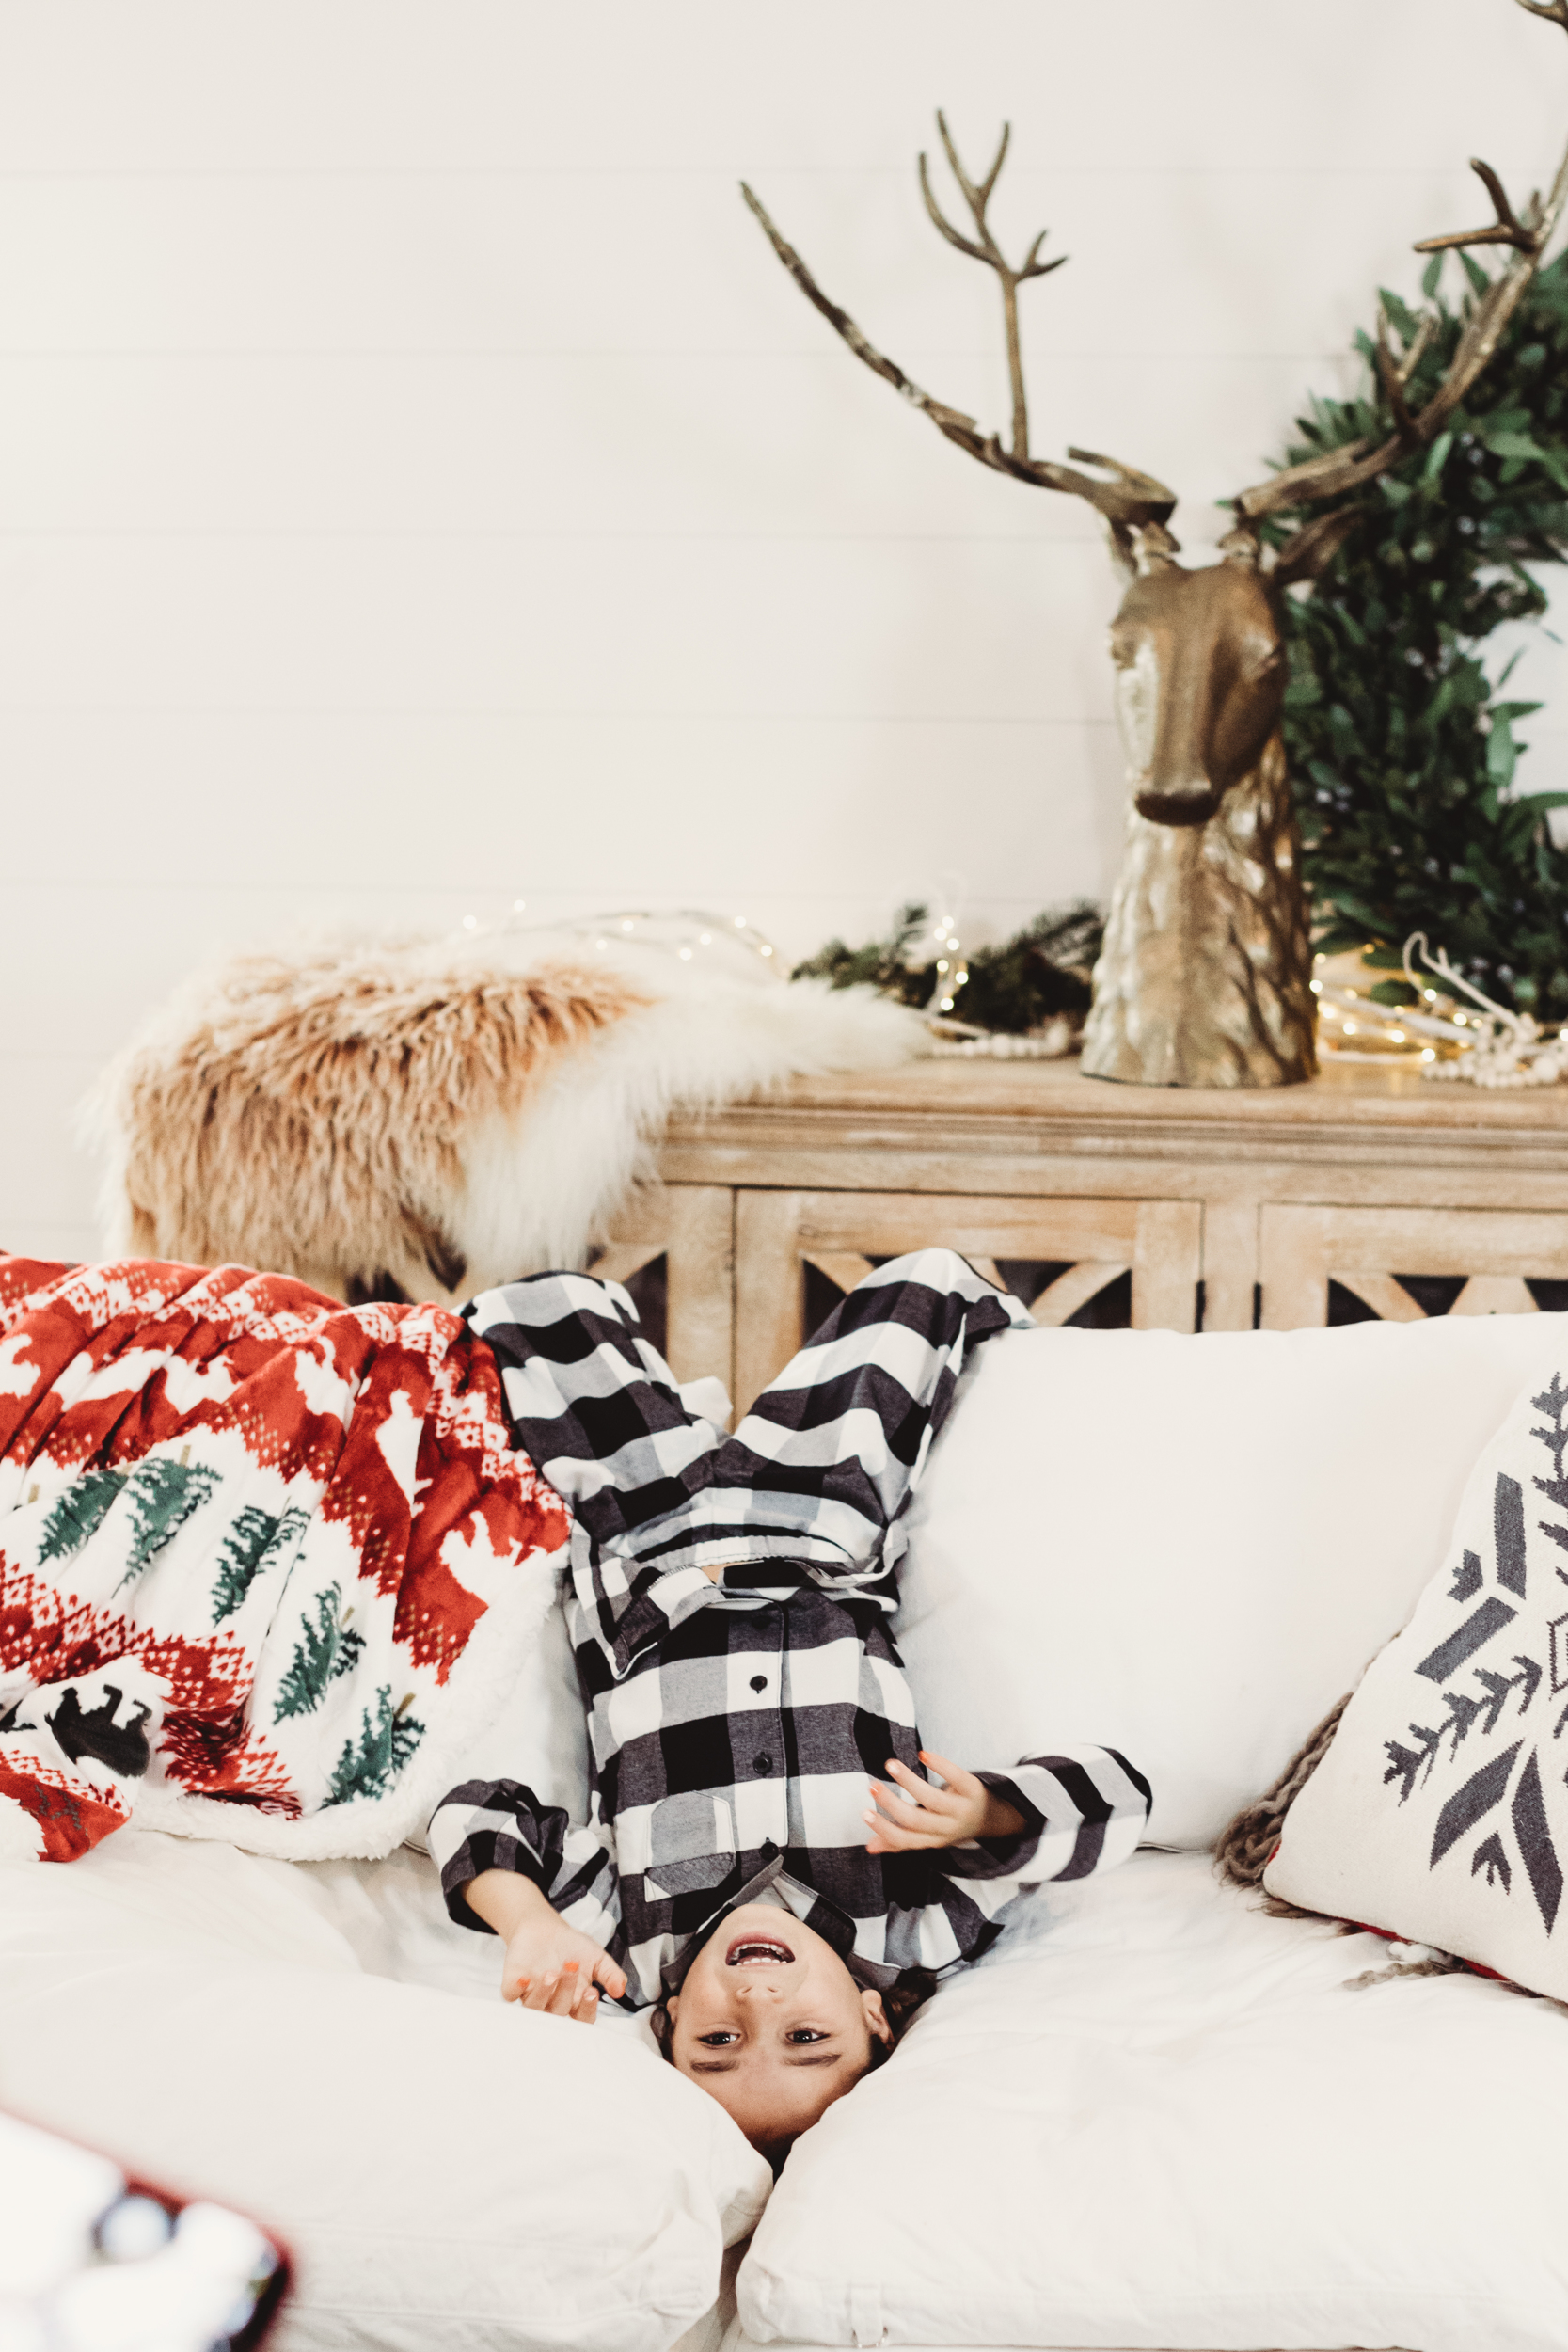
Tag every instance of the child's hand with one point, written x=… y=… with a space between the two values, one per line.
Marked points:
x=553 y=1967
x=916 y=1817
x=547 y=1964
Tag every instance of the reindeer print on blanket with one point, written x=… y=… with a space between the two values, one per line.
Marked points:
x=266 y=1562
x=1441 y=1810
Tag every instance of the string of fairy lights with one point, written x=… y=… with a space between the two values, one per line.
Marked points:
x=1450 y=1031
x=687 y=933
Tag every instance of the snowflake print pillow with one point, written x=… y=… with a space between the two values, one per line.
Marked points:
x=1440 y=1812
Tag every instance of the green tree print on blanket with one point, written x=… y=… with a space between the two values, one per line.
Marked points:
x=78 y=1511
x=326 y=1649
x=385 y=1745
x=163 y=1495
x=255 y=1538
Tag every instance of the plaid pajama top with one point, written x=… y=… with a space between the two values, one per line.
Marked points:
x=733 y=1725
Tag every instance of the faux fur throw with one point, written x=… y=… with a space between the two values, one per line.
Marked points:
x=425 y=1119
x=266 y=1562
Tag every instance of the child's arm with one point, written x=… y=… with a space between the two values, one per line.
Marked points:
x=549 y=1965
x=1052 y=1817
x=519 y=1869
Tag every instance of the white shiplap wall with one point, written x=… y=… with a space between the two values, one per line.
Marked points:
x=421 y=487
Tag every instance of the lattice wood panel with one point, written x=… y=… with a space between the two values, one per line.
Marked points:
x=1501 y=1261
x=1088 y=1243
x=691 y=1227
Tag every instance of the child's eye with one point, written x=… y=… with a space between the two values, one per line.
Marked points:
x=807 y=2033
x=717 y=2041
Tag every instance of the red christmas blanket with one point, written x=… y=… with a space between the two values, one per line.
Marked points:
x=267 y=1563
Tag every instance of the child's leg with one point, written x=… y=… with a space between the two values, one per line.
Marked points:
x=823 y=1464
x=594 y=1406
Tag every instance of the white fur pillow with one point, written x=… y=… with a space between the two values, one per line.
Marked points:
x=1440 y=1812
x=425 y=1118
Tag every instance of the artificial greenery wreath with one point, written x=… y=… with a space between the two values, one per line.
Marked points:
x=1403 y=762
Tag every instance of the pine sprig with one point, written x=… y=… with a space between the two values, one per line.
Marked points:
x=1043 y=970
x=1404 y=752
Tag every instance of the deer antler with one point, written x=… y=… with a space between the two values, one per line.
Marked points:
x=1506 y=230
x=987 y=250
x=1342 y=470
x=1132 y=501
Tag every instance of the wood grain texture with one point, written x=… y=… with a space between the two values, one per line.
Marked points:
x=1363 y=1175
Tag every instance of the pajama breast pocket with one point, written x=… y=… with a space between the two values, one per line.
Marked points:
x=690 y=1843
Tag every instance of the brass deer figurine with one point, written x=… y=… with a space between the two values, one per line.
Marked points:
x=1205 y=976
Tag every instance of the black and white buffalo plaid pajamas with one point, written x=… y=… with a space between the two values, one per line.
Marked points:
x=733 y=1725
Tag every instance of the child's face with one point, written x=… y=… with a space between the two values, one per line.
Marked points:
x=773 y=2025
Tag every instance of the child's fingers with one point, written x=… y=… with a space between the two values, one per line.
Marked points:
x=922 y=1792
x=567 y=1985
x=884 y=1838
x=899 y=1837
x=959 y=1783
x=899 y=1810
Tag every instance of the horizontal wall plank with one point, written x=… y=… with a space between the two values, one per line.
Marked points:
x=688 y=445
x=716 y=627
x=691 y=809
x=179 y=85
x=46 y=1178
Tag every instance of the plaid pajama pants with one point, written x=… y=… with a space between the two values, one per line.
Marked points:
x=816 y=1475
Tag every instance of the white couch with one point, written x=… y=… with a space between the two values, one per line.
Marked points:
x=1153 y=2117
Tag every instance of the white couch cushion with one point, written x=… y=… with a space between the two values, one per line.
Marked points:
x=1165 y=2122
x=539 y=1733
x=445 y=2170
x=1188 y=1549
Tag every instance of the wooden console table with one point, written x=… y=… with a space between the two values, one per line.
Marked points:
x=1369 y=1192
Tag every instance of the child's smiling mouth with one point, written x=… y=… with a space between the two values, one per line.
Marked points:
x=758 y=1951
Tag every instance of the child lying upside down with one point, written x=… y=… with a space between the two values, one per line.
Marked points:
x=768 y=1863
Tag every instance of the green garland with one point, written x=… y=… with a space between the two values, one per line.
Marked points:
x=1041 y=971
x=1403 y=763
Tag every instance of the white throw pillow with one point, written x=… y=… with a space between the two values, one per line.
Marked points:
x=1165 y=2123
x=1189 y=1549
x=1439 y=1811
x=445 y=2172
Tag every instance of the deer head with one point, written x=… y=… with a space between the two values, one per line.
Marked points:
x=1199 y=653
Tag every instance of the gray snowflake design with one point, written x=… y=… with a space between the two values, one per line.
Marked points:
x=1485 y=1725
